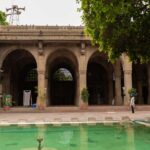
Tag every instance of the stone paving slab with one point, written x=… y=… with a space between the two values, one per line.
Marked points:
x=62 y=109
x=72 y=117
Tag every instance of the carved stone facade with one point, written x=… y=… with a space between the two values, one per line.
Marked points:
x=31 y=55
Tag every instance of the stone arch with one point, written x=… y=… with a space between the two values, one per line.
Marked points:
x=6 y=52
x=100 y=79
x=62 y=59
x=20 y=73
x=92 y=53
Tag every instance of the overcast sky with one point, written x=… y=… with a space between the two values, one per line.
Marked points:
x=46 y=12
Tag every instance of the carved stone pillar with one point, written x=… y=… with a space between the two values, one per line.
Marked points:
x=41 y=100
x=46 y=91
x=128 y=85
x=41 y=88
x=127 y=68
x=148 y=69
x=82 y=83
x=117 y=75
x=82 y=72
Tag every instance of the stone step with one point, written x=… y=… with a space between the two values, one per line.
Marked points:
x=77 y=109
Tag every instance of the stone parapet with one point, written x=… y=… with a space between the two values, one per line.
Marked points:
x=35 y=27
x=50 y=33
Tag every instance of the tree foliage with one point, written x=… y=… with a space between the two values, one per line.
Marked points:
x=118 y=26
x=85 y=95
x=3 y=18
x=62 y=75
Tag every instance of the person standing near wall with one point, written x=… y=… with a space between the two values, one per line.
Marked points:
x=132 y=103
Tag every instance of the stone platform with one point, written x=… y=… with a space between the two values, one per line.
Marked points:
x=73 y=115
x=75 y=109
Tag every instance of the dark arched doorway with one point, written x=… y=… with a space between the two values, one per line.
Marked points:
x=62 y=70
x=20 y=73
x=62 y=86
x=99 y=80
x=97 y=84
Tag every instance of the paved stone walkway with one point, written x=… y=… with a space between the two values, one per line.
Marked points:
x=71 y=117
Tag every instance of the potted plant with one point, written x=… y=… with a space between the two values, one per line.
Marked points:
x=7 y=102
x=132 y=92
x=85 y=98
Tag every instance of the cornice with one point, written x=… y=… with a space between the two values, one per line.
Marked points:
x=60 y=33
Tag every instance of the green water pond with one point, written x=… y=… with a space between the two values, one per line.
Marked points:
x=127 y=136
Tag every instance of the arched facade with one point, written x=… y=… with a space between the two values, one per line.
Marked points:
x=62 y=61
x=19 y=74
x=60 y=90
x=100 y=80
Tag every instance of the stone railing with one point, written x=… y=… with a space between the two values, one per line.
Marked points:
x=42 y=33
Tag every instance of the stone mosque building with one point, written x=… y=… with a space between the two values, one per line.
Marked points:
x=33 y=57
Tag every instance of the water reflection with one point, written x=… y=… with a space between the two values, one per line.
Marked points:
x=130 y=137
x=65 y=137
x=83 y=137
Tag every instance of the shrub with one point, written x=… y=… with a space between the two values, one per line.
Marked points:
x=7 y=100
x=132 y=92
x=85 y=95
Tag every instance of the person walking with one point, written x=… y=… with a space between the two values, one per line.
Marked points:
x=132 y=103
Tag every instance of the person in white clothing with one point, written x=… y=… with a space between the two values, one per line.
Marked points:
x=132 y=103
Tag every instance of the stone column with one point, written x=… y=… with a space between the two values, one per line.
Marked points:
x=127 y=68
x=82 y=82
x=117 y=77
x=127 y=85
x=82 y=71
x=148 y=70
x=46 y=92
x=41 y=100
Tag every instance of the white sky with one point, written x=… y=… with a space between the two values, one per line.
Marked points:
x=46 y=12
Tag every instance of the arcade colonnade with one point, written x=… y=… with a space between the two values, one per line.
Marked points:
x=34 y=58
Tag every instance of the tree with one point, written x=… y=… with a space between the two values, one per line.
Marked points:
x=3 y=18
x=62 y=74
x=119 y=26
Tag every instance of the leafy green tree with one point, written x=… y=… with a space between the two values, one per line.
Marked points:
x=118 y=26
x=3 y=18
x=60 y=75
